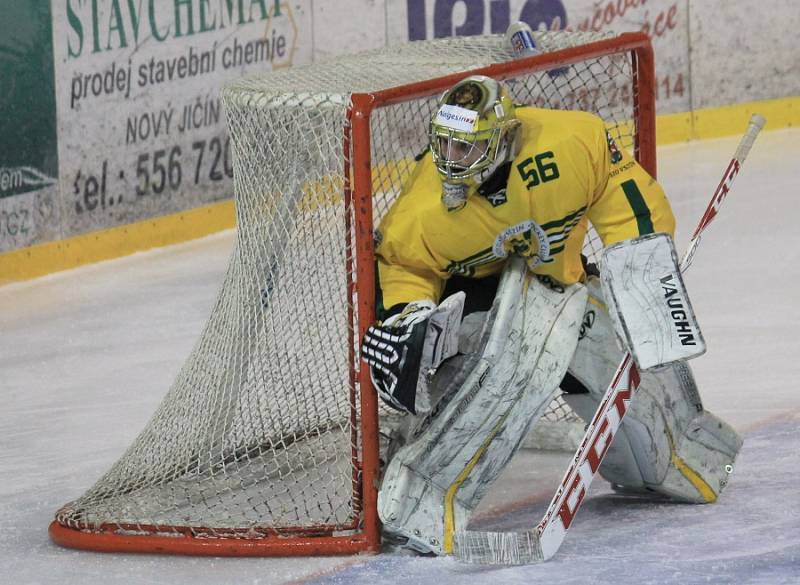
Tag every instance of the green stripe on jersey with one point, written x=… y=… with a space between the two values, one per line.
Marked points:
x=574 y=217
x=640 y=209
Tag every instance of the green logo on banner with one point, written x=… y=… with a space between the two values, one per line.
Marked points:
x=28 y=142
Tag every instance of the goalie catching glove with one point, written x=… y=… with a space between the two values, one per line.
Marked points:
x=404 y=350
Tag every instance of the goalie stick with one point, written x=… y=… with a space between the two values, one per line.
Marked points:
x=541 y=543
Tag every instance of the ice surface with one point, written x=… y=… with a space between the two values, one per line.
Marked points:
x=86 y=355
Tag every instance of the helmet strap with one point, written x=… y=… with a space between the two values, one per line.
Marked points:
x=513 y=142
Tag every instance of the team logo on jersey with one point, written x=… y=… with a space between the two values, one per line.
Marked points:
x=517 y=239
x=616 y=155
x=538 y=243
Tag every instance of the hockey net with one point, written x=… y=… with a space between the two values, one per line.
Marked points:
x=267 y=441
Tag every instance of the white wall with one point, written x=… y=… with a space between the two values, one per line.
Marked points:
x=743 y=51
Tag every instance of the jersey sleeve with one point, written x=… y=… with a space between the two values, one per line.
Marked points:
x=630 y=203
x=408 y=268
x=403 y=284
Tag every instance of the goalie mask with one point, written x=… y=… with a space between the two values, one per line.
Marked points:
x=472 y=133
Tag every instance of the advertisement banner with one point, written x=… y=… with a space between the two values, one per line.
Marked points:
x=28 y=144
x=110 y=110
x=140 y=121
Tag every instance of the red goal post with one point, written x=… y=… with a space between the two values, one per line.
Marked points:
x=299 y=437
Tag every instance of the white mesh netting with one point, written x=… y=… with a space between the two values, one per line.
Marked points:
x=259 y=434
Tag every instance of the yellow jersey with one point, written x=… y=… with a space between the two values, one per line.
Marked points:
x=567 y=172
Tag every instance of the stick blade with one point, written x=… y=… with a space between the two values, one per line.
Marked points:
x=498 y=548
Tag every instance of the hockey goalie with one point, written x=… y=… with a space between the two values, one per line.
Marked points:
x=482 y=294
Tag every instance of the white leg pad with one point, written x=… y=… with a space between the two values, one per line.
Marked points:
x=433 y=483
x=668 y=443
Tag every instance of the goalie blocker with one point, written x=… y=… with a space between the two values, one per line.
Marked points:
x=648 y=303
x=405 y=350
